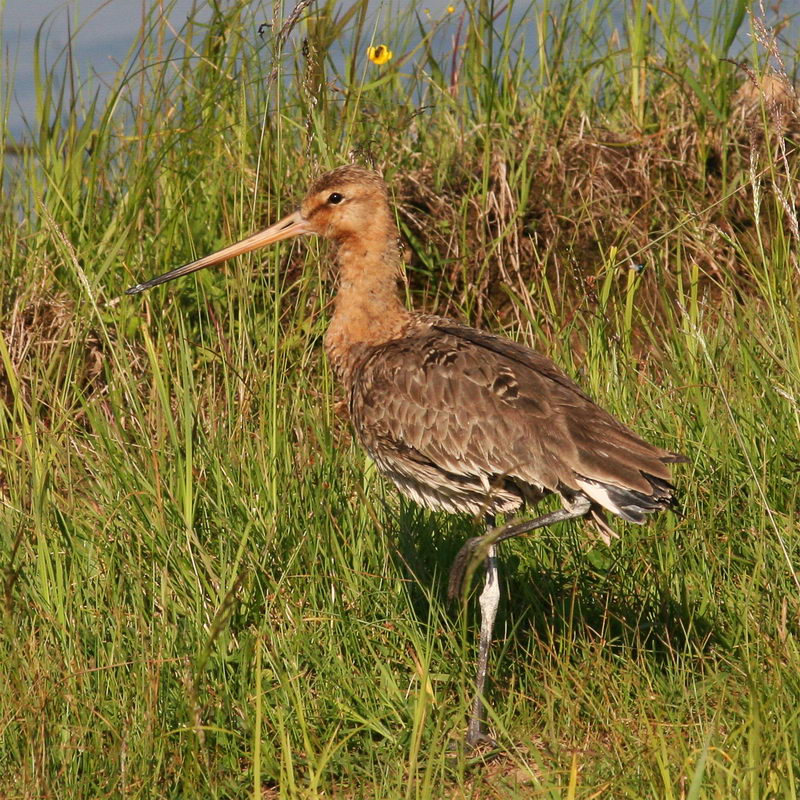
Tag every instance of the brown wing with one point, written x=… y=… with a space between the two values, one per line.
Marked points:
x=481 y=408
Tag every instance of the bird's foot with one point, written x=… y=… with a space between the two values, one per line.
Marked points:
x=479 y=749
x=458 y=570
x=479 y=742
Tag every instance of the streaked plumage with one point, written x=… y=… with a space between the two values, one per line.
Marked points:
x=457 y=418
x=465 y=421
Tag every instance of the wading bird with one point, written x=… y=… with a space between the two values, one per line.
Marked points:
x=457 y=418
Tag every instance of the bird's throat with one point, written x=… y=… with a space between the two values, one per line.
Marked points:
x=367 y=308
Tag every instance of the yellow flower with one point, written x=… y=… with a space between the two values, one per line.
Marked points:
x=380 y=54
x=450 y=9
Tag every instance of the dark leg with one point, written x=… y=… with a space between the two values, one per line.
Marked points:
x=464 y=565
x=489 y=602
x=475 y=549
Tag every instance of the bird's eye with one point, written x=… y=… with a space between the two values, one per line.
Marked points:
x=335 y=198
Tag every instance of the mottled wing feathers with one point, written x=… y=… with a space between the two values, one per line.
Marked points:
x=462 y=414
x=511 y=350
x=591 y=442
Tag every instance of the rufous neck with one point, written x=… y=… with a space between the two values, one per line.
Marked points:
x=368 y=311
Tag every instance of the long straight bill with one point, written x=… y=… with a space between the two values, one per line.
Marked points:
x=293 y=225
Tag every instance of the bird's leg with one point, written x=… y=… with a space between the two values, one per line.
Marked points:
x=464 y=564
x=473 y=550
x=489 y=601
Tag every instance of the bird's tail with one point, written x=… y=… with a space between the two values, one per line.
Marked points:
x=631 y=504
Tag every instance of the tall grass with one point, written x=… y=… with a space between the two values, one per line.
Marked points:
x=207 y=589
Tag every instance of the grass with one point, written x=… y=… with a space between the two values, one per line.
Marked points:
x=207 y=589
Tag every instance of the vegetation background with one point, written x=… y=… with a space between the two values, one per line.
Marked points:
x=207 y=591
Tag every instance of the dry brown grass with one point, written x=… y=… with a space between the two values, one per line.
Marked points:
x=43 y=329
x=592 y=188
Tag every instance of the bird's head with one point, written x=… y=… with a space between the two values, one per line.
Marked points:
x=345 y=203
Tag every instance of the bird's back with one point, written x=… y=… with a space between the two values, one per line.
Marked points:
x=462 y=420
